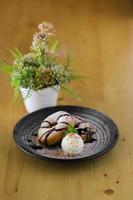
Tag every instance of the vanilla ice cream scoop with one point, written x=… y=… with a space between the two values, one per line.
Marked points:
x=72 y=144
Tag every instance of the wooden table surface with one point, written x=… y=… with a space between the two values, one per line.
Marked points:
x=99 y=35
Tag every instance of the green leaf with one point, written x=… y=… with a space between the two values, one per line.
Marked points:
x=70 y=129
x=54 y=46
x=68 y=60
x=5 y=67
x=16 y=53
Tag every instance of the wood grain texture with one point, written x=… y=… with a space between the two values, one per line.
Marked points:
x=100 y=36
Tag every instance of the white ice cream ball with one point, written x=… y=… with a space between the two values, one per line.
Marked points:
x=72 y=144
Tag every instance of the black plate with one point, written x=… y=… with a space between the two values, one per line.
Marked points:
x=106 y=135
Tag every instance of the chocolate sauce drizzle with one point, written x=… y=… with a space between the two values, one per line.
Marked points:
x=64 y=123
x=48 y=133
x=46 y=122
x=63 y=116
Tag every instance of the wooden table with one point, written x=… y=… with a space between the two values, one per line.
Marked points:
x=100 y=37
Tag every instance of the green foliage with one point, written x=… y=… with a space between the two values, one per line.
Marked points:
x=70 y=129
x=54 y=46
x=39 y=68
x=5 y=67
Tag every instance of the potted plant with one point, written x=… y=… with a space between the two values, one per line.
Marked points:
x=39 y=74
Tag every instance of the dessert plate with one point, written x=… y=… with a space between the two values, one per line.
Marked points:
x=104 y=140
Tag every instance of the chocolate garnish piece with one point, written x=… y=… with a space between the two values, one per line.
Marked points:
x=61 y=129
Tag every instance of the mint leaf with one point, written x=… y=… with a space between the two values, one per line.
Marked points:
x=70 y=129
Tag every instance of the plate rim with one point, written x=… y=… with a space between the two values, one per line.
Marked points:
x=89 y=157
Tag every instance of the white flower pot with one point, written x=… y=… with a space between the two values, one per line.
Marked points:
x=40 y=99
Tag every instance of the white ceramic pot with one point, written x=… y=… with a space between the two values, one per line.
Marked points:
x=40 y=99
